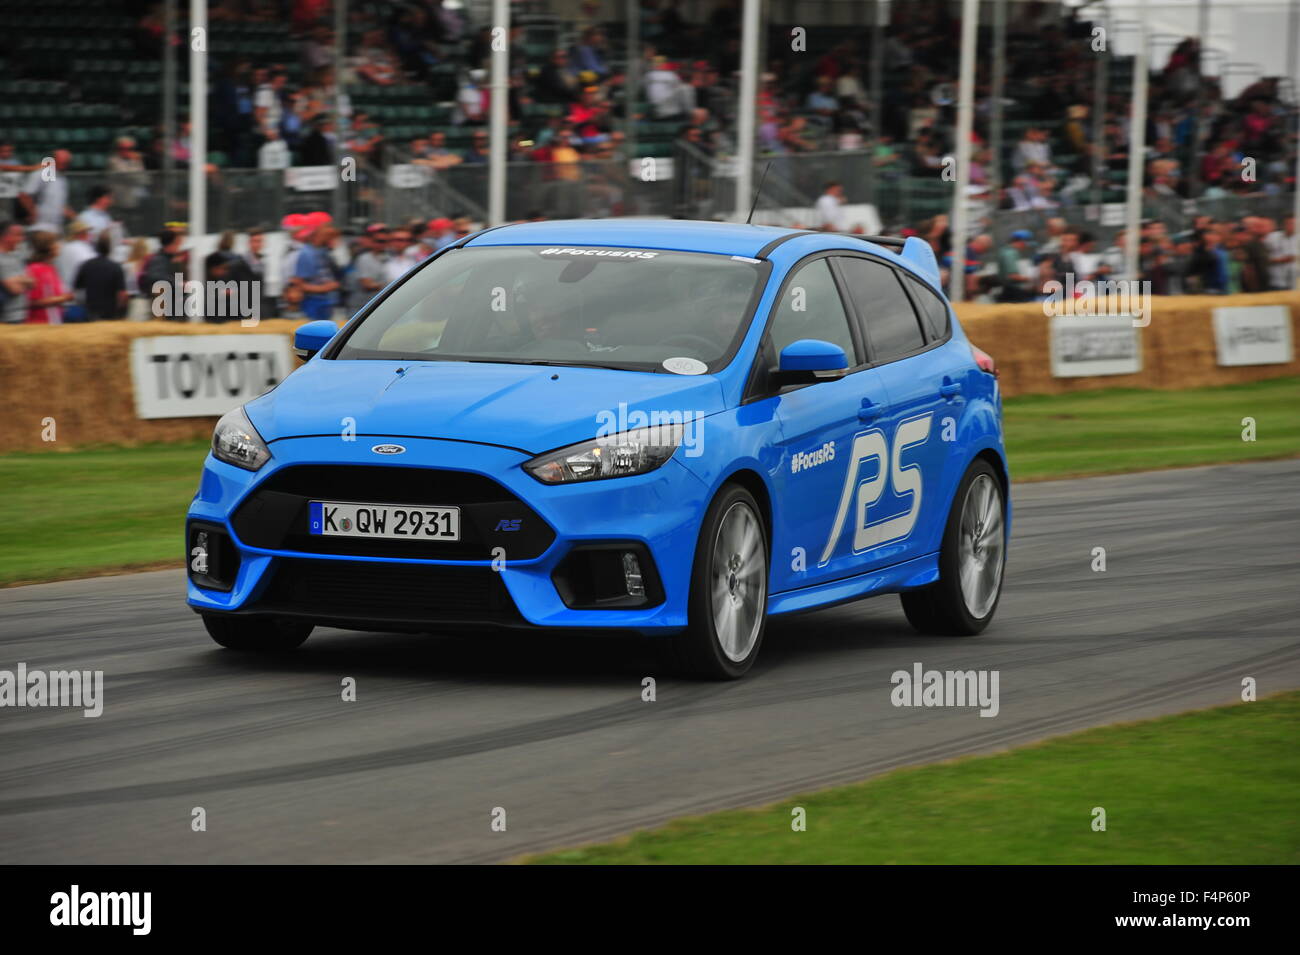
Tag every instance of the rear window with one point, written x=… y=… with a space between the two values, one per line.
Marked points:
x=885 y=309
x=934 y=311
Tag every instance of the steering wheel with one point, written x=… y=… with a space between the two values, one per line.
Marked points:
x=694 y=341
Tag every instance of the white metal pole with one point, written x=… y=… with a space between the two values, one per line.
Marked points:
x=198 y=145
x=168 y=112
x=747 y=109
x=1198 y=127
x=999 y=85
x=1295 y=212
x=1294 y=66
x=1137 y=148
x=1295 y=206
x=340 y=117
x=878 y=23
x=965 y=121
x=499 y=110
x=632 y=80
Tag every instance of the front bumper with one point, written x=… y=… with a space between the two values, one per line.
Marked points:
x=497 y=575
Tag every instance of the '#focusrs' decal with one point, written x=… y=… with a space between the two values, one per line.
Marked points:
x=803 y=460
x=609 y=253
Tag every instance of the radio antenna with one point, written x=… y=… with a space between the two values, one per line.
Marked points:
x=757 y=192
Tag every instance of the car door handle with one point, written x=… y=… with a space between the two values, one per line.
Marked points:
x=869 y=411
x=950 y=389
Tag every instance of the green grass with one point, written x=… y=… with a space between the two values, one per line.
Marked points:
x=66 y=513
x=1210 y=787
x=69 y=513
x=1108 y=432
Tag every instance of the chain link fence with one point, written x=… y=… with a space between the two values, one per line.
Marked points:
x=687 y=184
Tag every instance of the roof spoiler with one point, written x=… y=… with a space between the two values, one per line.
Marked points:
x=914 y=249
x=889 y=241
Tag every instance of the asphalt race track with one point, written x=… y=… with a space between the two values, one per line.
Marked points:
x=1200 y=591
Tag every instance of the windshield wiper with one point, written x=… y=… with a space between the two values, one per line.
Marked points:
x=570 y=364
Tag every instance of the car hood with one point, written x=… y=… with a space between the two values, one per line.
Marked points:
x=533 y=408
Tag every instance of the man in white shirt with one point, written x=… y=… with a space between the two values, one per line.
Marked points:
x=1280 y=245
x=96 y=214
x=75 y=251
x=469 y=100
x=1033 y=148
x=664 y=90
x=830 y=209
x=45 y=194
x=267 y=101
x=274 y=153
x=1085 y=261
x=405 y=254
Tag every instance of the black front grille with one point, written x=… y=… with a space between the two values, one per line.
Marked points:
x=276 y=515
x=371 y=591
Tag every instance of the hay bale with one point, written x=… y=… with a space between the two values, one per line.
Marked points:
x=80 y=375
x=1178 y=349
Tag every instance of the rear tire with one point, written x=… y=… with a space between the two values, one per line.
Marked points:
x=971 y=561
x=261 y=634
x=728 y=602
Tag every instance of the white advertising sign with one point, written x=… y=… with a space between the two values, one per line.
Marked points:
x=407 y=176
x=1253 y=335
x=1094 y=345
x=651 y=168
x=189 y=376
x=311 y=178
x=1114 y=213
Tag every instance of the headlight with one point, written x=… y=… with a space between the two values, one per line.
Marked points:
x=615 y=455
x=237 y=442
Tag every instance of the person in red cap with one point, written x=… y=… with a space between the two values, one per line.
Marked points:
x=300 y=226
x=440 y=234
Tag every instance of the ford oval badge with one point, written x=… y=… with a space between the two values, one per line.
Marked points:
x=388 y=449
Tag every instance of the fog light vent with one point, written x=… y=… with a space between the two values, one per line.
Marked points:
x=211 y=557
x=632 y=575
x=608 y=575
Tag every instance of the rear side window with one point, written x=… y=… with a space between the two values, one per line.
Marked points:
x=934 y=313
x=886 y=311
x=811 y=308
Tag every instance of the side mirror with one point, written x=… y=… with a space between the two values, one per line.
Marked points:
x=310 y=338
x=810 y=359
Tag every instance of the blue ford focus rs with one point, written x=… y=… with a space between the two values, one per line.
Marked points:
x=673 y=428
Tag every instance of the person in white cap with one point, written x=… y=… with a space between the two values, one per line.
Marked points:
x=77 y=249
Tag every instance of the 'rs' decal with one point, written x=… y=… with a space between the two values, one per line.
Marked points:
x=907 y=479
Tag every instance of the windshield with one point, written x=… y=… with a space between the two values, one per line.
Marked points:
x=635 y=309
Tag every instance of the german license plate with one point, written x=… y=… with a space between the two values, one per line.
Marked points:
x=389 y=521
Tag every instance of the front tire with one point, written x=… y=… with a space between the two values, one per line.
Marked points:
x=260 y=634
x=728 y=602
x=971 y=561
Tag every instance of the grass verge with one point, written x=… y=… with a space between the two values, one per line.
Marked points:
x=1209 y=787
x=1121 y=430
x=68 y=514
